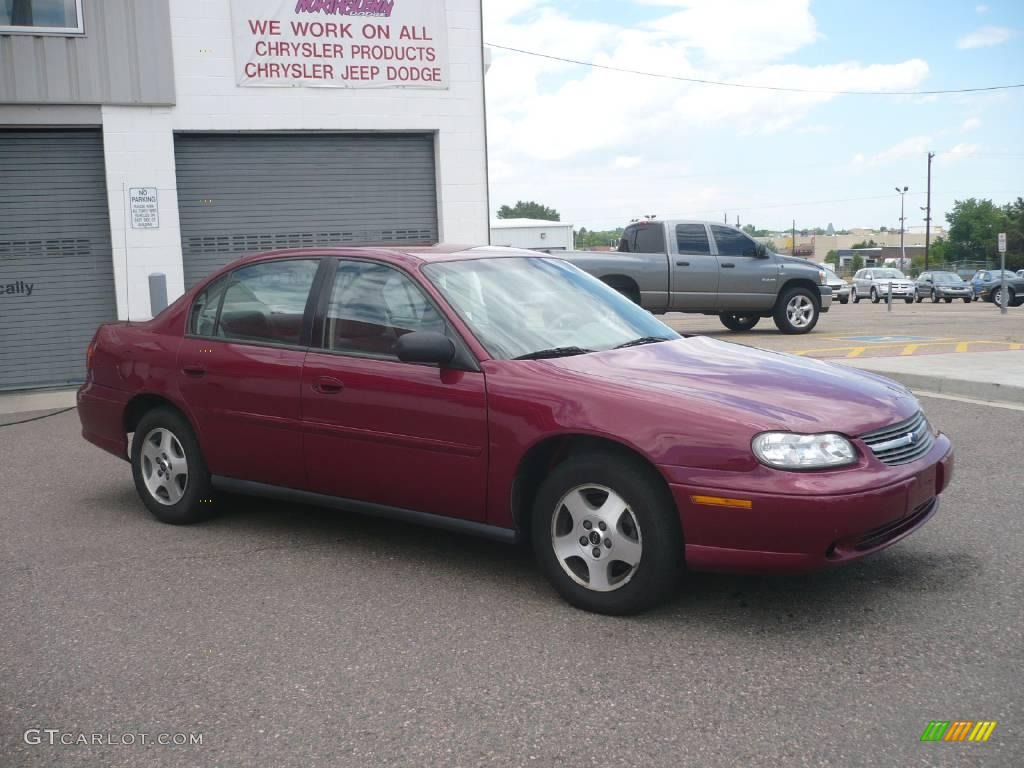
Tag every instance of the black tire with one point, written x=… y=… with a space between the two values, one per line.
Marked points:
x=918 y=298
x=908 y=299
x=875 y=298
x=738 y=322
x=843 y=300
x=935 y=298
x=195 y=503
x=1011 y=297
x=968 y=299
x=655 y=577
x=948 y=300
x=782 y=321
x=855 y=297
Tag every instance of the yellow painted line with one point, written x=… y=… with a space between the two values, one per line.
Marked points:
x=962 y=346
x=909 y=349
x=856 y=352
x=1016 y=346
x=719 y=501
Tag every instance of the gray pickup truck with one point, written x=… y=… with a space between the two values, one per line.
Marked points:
x=710 y=269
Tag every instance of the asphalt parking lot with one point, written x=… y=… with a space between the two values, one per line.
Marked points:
x=294 y=636
x=871 y=330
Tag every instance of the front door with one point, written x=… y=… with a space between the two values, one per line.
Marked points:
x=240 y=367
x=377 y=429
x=693 y=269
x=746 y=281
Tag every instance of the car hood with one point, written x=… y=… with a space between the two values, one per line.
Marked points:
x=766 y=390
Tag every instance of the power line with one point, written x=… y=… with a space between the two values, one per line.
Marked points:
x=700 y=81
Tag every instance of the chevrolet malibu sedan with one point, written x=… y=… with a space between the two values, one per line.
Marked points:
x=510 y=395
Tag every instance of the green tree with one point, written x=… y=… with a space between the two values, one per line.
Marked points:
x=973 y=227
x=832 y=257
x=856 y=262
x=1014 y=213
x=939 y=252
x=528 y=210
x=865 y=244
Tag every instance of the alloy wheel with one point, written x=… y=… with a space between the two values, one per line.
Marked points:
x=164 y=466
x=799 y=311
x=596 y=538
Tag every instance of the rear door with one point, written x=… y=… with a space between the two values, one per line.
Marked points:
x=694 y=269
x=240 y=367
x=745 y=280
x=380 y=430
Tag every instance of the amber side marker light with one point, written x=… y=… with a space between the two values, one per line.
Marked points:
x=721 y=501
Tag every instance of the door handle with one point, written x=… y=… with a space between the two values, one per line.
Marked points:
x=682 y=263
x=193 y=369
x=328 y=385
x=728 y=265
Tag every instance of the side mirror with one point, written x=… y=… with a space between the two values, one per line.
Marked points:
x=425 y=347
x=761 y=251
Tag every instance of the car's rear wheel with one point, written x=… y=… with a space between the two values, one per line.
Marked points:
x=737 y=322
x=607 y=535
x=874 y=296
x=168 y=468
x=797 y=311
x=948 y=300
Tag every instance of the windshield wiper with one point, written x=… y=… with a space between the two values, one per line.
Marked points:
x=642 y=340
x=545 y=354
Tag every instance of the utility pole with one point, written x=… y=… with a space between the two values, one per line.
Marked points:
x=928 y=213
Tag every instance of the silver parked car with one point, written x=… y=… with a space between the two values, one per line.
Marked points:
x=840 y=287
x=875 y=282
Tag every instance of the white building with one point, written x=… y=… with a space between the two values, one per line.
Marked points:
x=159 y=137
x=536 y=234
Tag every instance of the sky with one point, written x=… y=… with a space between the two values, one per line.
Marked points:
x=605 y=147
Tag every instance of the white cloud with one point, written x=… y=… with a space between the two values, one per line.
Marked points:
x=985 y=37
x=625 y=162
x=970 y=124
x=915 y=145
x=958 y=152
x=981 y=8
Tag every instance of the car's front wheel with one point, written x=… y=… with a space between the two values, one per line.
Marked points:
x=855 y=296
x=935 y=298
x=874 y=296
x=918 y=298
x=737 y=322
x=797 y=311
x=948 y=300
x=167 y=465
x=607 y=535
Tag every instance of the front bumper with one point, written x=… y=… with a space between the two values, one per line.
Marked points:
x=792 y=533
x=825 y=295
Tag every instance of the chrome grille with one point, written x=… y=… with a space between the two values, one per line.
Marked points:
x=901 y=443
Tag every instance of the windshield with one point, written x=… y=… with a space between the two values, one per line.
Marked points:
x=891 y=274
x=521 y=306
x=947 y=277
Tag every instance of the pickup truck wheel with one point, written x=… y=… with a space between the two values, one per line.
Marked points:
x=736 y=322
x=607 y=535
x=168 y=468
x=797 y=311
x=874 y=296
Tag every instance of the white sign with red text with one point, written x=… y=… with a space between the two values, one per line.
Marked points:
x=340 y=43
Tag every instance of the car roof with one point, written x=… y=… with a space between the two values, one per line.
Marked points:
x=397 y=254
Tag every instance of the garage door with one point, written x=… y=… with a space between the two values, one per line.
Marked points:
x=241 y=194
x=56 y=272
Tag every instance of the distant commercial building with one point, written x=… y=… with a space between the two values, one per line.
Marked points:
x=535 y=234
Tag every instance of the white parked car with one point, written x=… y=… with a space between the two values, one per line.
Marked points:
x=875 y=282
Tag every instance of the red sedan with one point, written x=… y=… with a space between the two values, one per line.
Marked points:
x=510 y=395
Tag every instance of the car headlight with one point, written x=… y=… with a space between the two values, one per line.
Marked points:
x=788 y=450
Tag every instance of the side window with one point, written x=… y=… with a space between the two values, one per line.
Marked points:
x=628 y=242
x=203 y=319
x=266 y=302
x=692 y=239
x=650 y=238
x=371 y=306
x=732 y=243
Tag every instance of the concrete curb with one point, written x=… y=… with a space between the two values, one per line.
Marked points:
x=24 y=402
x=947 y=383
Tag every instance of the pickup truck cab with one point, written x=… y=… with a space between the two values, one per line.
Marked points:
x=710 y=269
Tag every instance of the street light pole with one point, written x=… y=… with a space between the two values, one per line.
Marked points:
x=903 y=251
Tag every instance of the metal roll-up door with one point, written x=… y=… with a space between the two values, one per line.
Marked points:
x=56 y=270
x=244 y=193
